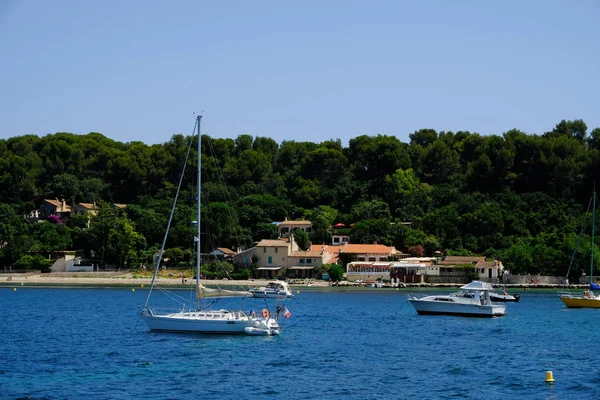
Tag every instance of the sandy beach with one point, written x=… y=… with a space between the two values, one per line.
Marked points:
x=127 y=279
x=123 y=279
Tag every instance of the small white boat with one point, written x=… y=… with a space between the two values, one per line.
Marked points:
x=504 y=297
x=274 y=289
x=472 y=301
x=253 y=331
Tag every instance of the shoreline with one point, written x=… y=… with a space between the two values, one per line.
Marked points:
x=127 y=281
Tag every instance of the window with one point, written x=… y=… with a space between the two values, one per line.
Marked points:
x=371 y=258
x=276 y=249
x=264 y=249
x=270 y=261
x=308 y=260
x=383 y=258
x=302 y=261
x=307 y=230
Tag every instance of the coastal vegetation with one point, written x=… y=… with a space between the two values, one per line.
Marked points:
x=517 y=197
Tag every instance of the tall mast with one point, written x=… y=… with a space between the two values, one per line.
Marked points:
x=593 y=226
x=198 y=216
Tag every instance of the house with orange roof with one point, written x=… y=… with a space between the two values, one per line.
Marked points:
x=369 y=252
x=489 y=270
x=279 y=258
x=333 y=252
x=85 y=209
x=287 y=227
x=223 y=253
x=452 y=269
x=56 y=207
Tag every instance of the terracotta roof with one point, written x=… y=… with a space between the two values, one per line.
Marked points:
x=330 y=248
x=91 y=206
x=451 y=260
x=487 y=264
x=306 y=254
x=225 y=250
x=295 y=223
x=368 y=249
x=120 y=205
x=58 y=205
x=272 y=243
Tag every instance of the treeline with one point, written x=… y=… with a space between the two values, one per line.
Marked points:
x=518 y=197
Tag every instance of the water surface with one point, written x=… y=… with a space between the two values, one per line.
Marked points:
x=88 y=343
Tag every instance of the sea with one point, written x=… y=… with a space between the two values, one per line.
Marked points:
x=66 y=343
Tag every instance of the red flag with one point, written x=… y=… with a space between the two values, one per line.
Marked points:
x=286 y=312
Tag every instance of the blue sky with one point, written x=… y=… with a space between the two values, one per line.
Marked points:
x=305 y=71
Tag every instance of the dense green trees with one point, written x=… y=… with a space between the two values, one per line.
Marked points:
x=516 y=196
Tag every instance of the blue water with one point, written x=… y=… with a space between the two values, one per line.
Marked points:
x=86 y=343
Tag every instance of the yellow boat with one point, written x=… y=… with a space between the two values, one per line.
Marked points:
x=587 y=299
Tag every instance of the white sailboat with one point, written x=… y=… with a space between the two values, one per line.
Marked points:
x=201 y=319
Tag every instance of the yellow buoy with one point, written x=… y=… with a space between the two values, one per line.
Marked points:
x=549 y=377
x=298 y=291
x=15 y=289
x=21 y=283
x=396 y=289
x=142 y=285
x=133 y=289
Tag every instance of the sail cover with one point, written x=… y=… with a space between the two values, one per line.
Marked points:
x=202 y=292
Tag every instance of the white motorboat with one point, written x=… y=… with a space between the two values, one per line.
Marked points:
x=274 y=289
x=472 y=301
x=504 y=297
x=253 y=331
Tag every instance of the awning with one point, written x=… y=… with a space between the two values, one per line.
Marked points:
x=382 y=263
x=301 y=267
x=269 y=268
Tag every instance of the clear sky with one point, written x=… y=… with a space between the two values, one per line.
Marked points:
x=137 y=70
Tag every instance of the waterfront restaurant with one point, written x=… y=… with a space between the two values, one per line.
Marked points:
x=409 y=272
x=393 y=271
x=368 y=271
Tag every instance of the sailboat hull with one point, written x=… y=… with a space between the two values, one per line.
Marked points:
x=225 y=323
x=580 y=302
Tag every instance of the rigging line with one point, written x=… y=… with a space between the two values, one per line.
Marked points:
x=233 y=220
x=579 y=237
x=162 y=248
x=227 y=195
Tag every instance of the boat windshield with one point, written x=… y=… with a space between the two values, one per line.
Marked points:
x=462 y=293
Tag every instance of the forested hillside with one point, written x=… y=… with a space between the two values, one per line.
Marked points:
x=518 y=197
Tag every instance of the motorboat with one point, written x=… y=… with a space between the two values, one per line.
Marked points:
x=254 y=331
x=504 y=297
x=587 y=299
x=275 y=289
x=473 y=300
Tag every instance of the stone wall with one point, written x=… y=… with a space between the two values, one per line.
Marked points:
x=533 y=280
